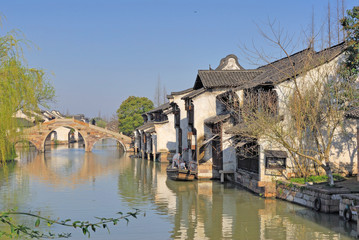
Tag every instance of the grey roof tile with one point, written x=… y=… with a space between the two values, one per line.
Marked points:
x=224 y=78
x=216 y=119
x=194 y=93
x=160 y=108
x=288 y=67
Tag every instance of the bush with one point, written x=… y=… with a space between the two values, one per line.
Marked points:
x=316 y=179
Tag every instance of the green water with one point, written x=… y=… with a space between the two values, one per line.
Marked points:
x=69 y=183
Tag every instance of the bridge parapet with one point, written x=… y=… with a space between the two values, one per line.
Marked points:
x=90 y=133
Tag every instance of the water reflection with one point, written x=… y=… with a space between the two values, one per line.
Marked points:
x=209 y=210
x=70 y=183
x=61 y=167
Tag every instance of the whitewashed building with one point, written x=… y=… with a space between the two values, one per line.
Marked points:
x=270 y=161
x=156 y=138
x=206 y=115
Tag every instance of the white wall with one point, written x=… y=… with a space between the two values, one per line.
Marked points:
x=166 y=133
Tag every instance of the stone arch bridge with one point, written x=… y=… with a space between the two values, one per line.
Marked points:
x=90 y=133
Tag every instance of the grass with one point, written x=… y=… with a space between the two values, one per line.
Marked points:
x=316 y=179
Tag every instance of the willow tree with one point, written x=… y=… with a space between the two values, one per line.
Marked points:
x=21 y=88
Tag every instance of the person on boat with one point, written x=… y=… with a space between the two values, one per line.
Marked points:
x=175 y=160
x=192 y=166
x=182 y=164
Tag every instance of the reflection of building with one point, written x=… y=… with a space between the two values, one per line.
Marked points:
x=209 y=210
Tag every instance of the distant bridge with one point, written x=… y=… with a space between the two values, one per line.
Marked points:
x=90 y=133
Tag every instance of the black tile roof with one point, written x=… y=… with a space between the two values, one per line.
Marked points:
x=237 y=129
x=170 y=96
x=224 y=78
x=275 y=153
x=286 y=68
x=145 y=126
x=182 y=92
x=160 y=108
x=216 y=119
x=194 y=94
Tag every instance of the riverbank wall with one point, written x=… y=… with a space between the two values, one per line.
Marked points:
x=323 y=200
x=317 y=197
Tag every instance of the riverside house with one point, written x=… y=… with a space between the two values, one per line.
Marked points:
x=155 y=139
x=258 y=162
x=180 y=118
x=207 y=124
x=205 y=115
x=161 y=134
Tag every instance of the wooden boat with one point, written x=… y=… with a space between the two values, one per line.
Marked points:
x=180 y=174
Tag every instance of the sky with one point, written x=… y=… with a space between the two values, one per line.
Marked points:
x=98 y=53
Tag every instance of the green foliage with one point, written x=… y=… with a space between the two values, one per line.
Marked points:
x=101 y=123
x=316 y=179
x=19 y=230
x=349 y=68
x=350 y=24
x=130 y=111
x=21 y=88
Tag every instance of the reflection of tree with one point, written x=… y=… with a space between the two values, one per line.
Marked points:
x=13 y=195
x=137 y=182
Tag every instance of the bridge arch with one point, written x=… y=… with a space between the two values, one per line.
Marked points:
x=26 y=141
x=48 y=132
x=90 y=133
x=103 y=138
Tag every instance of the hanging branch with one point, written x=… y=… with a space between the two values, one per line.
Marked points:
x=17 y=230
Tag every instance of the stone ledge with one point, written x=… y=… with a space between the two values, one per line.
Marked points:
x=306 y=195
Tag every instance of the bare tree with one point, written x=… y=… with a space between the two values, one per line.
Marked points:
x=157 y=97
x=329 y=26
x=164 y=94
x=300 y=110
x=160 y=96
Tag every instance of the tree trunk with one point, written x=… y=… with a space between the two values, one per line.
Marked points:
x=329 y=173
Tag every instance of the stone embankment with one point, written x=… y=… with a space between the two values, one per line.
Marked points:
x=349 y=206
x=320 y=199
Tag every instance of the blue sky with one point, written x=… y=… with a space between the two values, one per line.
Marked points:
x=97 y=53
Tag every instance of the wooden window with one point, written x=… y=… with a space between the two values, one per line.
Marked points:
x=275 y=159
x=275 y=163
x=191 y=117
x=248 y=157
x=177 y=118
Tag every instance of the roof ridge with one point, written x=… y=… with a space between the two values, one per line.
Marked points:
x=332 y=47
x=287 y=57
x=241 y=70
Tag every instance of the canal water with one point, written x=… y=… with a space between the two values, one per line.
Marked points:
x=70 y=183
